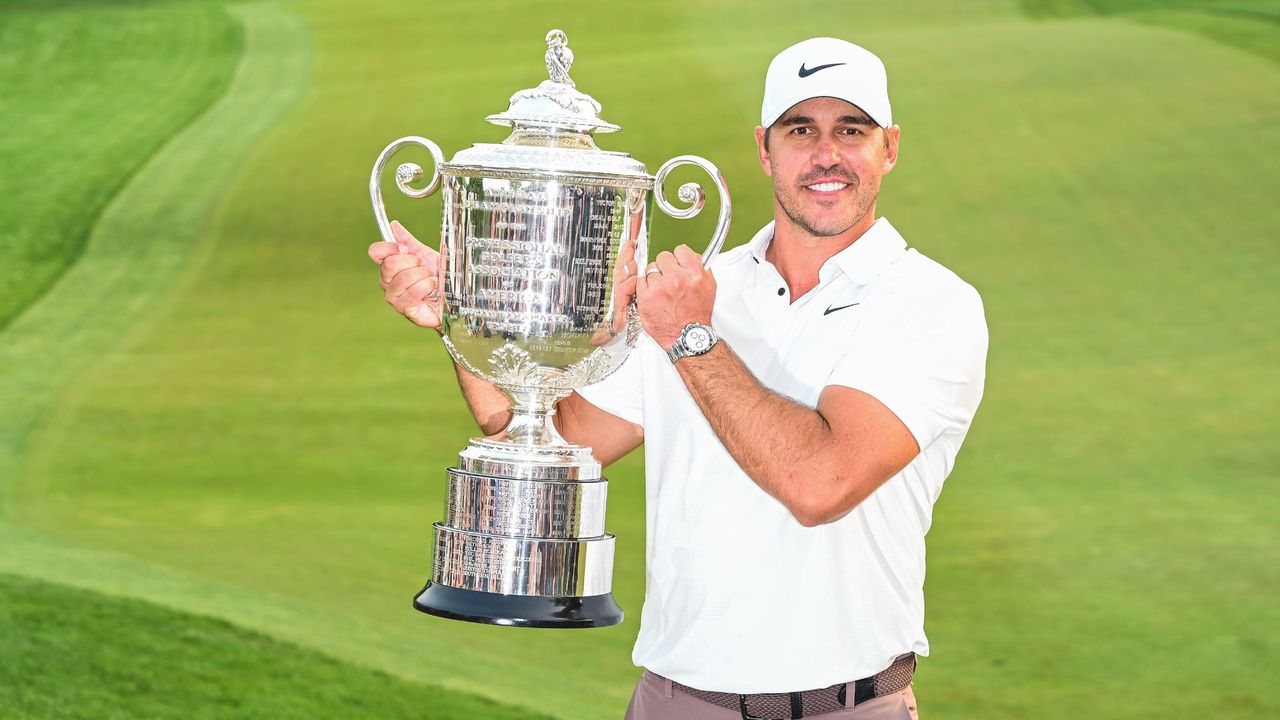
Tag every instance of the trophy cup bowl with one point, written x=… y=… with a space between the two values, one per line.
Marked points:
x=536 y=238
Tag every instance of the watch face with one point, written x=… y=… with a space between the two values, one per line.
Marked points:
x=698 y=339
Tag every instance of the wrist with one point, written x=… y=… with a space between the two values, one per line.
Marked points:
x=671 y=335
x=694 y=339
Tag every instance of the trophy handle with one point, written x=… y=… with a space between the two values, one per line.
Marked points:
x=693 y=193
x=405 y=174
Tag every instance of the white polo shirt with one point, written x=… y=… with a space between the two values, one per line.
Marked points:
x=740 y=597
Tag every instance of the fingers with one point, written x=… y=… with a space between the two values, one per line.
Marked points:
x=423 y=315
x=687 y=257
x=380 y=251
x=625 y=269
x=404 y=242
x=627 y=263
x=666 y=262
x=679 y=269
x=422 y=292
x=410 y=244
x=651 y=273
x=404 y=237
x=419 y=301
x=624 y=289
x=627 y=253
x=409 y=276
x=395 y=264
x=406 y=279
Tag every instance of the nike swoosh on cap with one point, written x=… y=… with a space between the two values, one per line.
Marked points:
x=806 y=72
x=833 y=309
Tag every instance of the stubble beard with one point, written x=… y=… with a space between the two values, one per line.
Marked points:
x=789 y=201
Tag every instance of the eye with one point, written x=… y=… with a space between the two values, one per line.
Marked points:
x=802 y=130
x=852 y=131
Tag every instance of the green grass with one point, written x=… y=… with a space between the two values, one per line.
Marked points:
x=1247 y=24
x=71 y=654
x=231 y=422
x=80 y=116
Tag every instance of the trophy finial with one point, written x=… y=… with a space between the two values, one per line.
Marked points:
x=559 y=57
x=556 y=105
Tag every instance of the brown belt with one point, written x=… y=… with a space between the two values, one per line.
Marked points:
x=786 y=706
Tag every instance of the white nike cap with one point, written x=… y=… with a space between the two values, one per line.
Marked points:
x=826 y=67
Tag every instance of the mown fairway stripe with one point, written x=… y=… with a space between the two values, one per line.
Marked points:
x=146 y=239
x=78 y=117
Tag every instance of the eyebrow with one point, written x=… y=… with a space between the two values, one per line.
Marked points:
x=797 y=120
x=842 y=120
x=858 y=120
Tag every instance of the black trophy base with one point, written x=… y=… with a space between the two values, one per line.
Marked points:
x=518 y=610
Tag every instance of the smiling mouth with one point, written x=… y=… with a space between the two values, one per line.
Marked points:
x=828 y=186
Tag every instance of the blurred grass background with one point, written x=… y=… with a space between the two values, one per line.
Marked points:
x=90 y=92
x=205 y=404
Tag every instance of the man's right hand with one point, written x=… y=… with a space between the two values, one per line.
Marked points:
x=410 y=276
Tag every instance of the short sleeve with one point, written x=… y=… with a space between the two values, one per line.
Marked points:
x=622 y=392
x=924 y=358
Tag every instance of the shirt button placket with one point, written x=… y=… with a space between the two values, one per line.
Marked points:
x=792 y=322
x=772 y=298
x=782 y=330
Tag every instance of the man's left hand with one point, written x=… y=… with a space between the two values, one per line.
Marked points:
x=678 y=292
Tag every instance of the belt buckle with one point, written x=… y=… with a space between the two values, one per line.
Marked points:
x=742 y=706
x=797 y=708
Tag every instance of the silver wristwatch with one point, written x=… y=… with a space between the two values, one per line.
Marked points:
x=695 y=339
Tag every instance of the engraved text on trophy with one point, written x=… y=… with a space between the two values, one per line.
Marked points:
x=536 y=258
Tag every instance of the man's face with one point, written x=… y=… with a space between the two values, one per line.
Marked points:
x=826 y=157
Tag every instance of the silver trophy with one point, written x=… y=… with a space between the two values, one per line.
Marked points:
x=537 y=235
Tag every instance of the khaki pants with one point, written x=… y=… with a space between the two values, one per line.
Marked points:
x=655 y=699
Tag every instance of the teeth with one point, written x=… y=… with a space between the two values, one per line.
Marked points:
x=829 y=186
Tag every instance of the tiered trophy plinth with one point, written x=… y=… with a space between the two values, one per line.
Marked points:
x=523 y=541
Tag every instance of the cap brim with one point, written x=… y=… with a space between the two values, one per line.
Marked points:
x=768 y=119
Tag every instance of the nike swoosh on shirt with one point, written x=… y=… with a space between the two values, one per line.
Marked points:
x=833 y=309
x=806 y=72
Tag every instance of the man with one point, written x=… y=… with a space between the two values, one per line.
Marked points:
x=800 y=403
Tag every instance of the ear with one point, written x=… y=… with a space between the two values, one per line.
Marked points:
x=892 y=135
x=763 y=152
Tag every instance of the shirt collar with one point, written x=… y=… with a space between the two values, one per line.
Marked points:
x=760 y=242
x=862 y=261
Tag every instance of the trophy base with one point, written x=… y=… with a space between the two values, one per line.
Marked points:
x=518 y=610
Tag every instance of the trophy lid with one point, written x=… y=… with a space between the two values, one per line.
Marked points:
x=552 y=129
x=556 y=104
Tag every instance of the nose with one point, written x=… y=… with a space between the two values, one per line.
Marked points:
x=826 y=152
